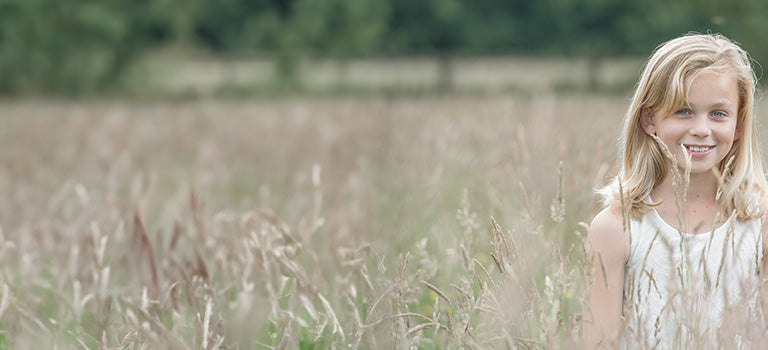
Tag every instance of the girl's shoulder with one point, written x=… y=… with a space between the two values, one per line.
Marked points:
x=608 y=219
x=608 y=234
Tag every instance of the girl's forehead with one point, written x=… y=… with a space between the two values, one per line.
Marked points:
x=705 y=79
x=711 y=70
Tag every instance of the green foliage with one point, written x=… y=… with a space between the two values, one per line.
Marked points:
x=232 y=25
x=69 y=47
x=425 y=26
x=84 y=46
x=340 y=27
x=292 y=29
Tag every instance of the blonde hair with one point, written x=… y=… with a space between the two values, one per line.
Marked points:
x=661 y=89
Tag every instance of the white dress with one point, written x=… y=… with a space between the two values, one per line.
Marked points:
x=697 y=291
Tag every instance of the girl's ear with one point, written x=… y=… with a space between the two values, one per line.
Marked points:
x=646 y=121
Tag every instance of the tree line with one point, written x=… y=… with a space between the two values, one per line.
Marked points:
x=80 y=46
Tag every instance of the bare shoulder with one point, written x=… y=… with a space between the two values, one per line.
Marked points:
x=607 y=234
x=608 y=219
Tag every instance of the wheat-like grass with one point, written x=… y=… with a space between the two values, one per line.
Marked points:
x=181 y=225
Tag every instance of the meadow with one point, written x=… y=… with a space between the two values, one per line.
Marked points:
x=443 y=221
x=311 y=222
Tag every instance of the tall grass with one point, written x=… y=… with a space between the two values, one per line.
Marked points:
x=443 y=222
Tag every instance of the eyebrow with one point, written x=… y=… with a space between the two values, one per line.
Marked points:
x=720 y=104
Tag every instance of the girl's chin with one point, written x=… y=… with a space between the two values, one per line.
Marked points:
x=696 y=168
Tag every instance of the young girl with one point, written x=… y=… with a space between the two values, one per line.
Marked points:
x=677 y=252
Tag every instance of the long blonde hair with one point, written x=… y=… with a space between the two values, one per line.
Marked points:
x=661 y=89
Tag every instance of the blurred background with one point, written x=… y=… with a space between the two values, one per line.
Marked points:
x=315 y=174
x=247 y=47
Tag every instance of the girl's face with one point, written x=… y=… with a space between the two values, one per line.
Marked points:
x=705 y=125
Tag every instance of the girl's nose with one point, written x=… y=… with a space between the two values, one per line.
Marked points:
x=700 y=126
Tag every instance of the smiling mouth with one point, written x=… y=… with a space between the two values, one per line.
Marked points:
x=698 y=148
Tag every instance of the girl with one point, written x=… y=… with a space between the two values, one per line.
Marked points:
x=676 y=253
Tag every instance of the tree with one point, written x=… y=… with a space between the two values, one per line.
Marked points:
x=254 y=26
x=429 y=26
x=342 y=28
x=75 y=46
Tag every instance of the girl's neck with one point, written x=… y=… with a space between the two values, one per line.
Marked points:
x=698 y=209
x=700 y=186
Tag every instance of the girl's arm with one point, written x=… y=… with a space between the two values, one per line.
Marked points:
x=608 y=249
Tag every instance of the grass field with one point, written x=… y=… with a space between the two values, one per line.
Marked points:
x=300 y=222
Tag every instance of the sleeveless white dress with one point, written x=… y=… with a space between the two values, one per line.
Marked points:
x=685 y=291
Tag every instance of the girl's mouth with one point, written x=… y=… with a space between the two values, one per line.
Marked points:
x=698 y=150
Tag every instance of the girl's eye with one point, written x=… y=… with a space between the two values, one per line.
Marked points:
x=683 y=112
x=718 y=114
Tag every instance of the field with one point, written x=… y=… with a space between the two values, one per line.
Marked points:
x=299 y=222
x=436 y=221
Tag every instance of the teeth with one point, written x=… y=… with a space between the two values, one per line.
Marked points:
x=698 y=148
